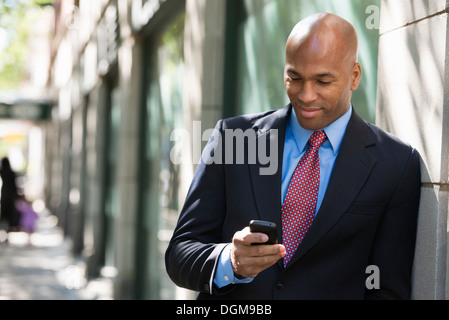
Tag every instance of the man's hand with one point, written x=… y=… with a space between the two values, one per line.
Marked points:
x=249 y=260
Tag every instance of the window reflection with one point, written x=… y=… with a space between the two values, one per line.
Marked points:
x=163 y=114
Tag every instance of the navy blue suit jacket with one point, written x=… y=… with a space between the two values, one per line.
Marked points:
x=368 y=217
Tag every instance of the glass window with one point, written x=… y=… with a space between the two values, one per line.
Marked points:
x=261 y=38
x=163 y=114
x=112 y=194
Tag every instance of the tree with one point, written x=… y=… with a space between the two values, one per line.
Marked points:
x=16 y=18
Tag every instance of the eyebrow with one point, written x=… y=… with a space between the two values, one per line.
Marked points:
x=320 y=75
x=325 y=74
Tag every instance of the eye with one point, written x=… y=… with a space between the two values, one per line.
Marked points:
x=324 y=83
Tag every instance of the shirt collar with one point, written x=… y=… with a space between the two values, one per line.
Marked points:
x=334 y=131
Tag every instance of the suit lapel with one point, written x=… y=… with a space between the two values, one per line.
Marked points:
x=267 y=187
x=352 y=168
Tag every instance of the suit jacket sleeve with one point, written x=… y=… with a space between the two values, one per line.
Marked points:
x=394 y=245
x=195 y=247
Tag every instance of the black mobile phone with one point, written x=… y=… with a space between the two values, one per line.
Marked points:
x=269 y=228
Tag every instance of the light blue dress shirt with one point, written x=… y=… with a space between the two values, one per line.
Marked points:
x=296 y=144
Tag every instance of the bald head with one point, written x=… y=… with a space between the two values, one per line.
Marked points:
x=325 y=33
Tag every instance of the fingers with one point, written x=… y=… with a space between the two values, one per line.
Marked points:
x=249 y=260
x=245 y=237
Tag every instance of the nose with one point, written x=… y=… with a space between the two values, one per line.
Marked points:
x=307 y=93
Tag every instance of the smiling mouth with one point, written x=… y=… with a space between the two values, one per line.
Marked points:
x=309 y=112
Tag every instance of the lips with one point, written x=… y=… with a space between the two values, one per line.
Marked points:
x=309 y=112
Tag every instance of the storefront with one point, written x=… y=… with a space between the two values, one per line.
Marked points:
x=162 y=112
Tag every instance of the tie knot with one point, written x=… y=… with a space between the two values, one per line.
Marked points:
x=317 y=139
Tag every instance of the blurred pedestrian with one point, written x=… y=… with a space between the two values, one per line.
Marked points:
x=9 y=214
x=28 y=216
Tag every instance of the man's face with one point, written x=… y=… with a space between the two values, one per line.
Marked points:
x=319 y=80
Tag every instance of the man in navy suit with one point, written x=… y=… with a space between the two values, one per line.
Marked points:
x=367 y=203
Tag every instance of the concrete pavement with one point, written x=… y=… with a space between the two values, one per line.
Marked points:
x=41 y=267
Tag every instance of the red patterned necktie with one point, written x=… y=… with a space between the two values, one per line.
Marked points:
x=299 y=205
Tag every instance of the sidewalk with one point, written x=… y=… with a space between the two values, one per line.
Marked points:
x=42 y=267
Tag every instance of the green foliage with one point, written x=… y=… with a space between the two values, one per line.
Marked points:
x=15 y=26
x=43 y=3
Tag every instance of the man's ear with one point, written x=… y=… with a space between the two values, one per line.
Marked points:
x=356 y=76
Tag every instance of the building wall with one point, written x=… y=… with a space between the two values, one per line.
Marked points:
x=413 y=104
